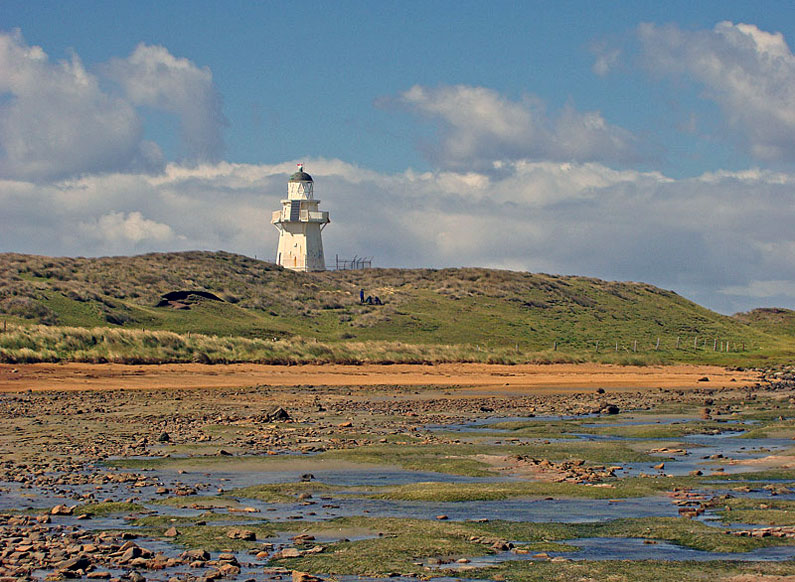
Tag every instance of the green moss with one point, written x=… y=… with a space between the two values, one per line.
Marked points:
x=108 y=508
x=213 y=537
x=626 y=487
x=627 y=571
x=279 y=492
x=758 y=511
x=404 y=542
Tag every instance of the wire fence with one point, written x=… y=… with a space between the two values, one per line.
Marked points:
x=697 y=343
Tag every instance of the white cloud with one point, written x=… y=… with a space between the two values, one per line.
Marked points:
x=153 y=77
x=750 y=73
x=118 y=227
x=715 y=232
x=57 y=121
x=479 y=126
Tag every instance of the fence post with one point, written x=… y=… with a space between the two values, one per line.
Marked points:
x=555 y=346
x=635 y=346
x=677 y=342
x=695 y=342
x=657 y=347
x=597 y=346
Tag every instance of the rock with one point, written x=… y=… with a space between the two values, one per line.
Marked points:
x=610 y=409
x=79 y=563
x=305 y=577
x=703 y=379
x=228 y=557
x=203 y=555
x=659 y=467
x=441 y=517
x=277 y=413
x=241 y=534
x=131 y=553
x=224 y=453
x=164 y=437
x=171 y=532
x=229 y=570
x=62 y=510
x=287 y=553
x=306 y=477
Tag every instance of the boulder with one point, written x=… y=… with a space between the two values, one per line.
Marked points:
x=241 y=534
x=277 y=413
x=62 y=510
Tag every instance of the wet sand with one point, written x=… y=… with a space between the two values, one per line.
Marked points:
x=476 y=378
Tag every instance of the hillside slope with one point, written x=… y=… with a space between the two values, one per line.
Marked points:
x=773 y=320
x=473 y=306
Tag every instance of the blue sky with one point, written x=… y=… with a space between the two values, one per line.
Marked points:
x=637 y=140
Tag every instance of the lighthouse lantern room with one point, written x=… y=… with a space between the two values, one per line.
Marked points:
x=300 y=224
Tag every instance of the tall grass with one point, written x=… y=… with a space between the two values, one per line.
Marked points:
x=39 y=343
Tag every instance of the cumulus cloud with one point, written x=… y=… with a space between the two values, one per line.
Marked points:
x=153 y=77
x=58 y=119
x=719 y=238
x=479 y=126
x=749 y=72
x=120 y=228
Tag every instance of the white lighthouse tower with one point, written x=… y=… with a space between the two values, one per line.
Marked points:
x=300 y=224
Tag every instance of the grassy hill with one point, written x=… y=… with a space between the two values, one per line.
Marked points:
x=482 y=308
x=773 y=320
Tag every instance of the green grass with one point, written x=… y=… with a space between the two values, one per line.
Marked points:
x=628 y=571
x=496 y=316
x=404 y=542
x=280 y=492
x=213 y=537
x=621 y=488
x=108 y=508
x=769 y=511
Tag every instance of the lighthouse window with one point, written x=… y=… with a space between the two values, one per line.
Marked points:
x=295 y=210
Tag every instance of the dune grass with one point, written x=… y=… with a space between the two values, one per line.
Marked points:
x=466 y=314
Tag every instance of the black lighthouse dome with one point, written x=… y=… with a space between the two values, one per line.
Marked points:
x=301 y=176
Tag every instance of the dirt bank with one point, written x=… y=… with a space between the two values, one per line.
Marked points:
x=476 y=378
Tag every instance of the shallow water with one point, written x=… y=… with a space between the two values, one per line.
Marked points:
x=521 y=509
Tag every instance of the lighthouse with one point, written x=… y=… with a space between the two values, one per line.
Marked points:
x=300 y=224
